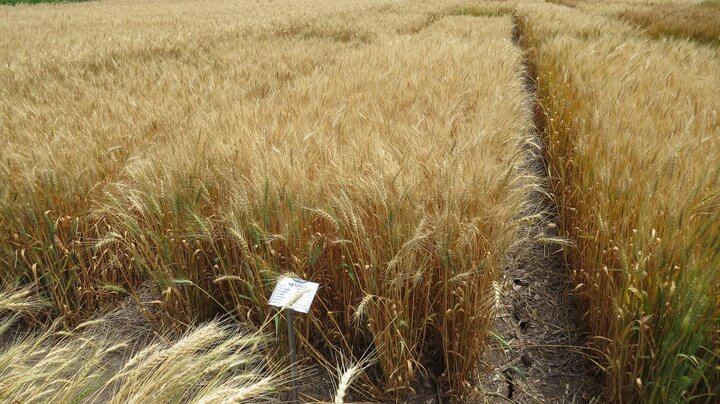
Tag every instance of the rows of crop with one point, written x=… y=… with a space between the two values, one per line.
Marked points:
x=633 y=144
x=148 y=148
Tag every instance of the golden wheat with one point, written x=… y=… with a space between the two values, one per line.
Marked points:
x=219 y=362
x=697 y=22
x=634 y=146
x=378 y=148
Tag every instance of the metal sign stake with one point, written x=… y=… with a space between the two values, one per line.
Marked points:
x=293 y=363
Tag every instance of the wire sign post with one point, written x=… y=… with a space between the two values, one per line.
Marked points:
x=293 y=295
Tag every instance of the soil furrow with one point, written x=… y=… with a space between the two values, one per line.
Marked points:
x=537 y=353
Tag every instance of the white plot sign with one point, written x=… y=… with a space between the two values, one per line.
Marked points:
x=294 y=293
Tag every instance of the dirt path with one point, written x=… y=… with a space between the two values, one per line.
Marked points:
x=537 y=355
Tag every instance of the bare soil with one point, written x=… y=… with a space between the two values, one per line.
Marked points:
x=538 y=354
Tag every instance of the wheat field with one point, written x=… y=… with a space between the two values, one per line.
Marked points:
x=377 y=148
x=165 y=162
